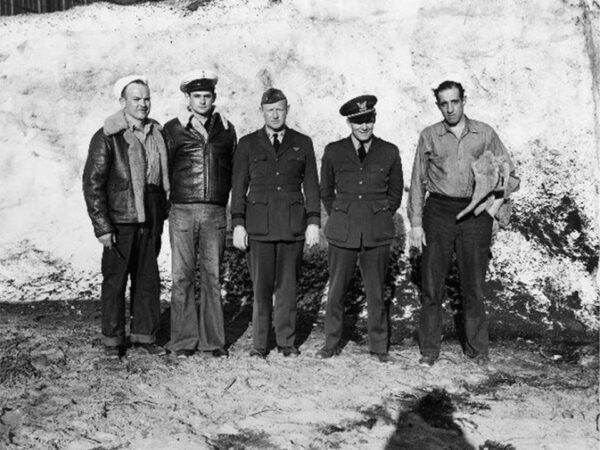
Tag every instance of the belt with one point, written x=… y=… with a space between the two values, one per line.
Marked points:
x=361 y=196
x=447 y=198
x=274 y=188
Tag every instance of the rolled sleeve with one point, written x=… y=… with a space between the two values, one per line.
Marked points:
x=416 y=194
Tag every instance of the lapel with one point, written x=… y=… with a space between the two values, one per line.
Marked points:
x=288 y=140
x=374 y=148
x=349 y=151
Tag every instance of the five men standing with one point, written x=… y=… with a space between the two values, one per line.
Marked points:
x=125 y=184
x=361 y=189
x=200 y=143
x=274 y=209
x=272 y=176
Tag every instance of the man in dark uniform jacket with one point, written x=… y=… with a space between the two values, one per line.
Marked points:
x=274 y=208
x=200 y=144
x=361 y=189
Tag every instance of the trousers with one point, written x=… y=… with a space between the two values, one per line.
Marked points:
x=274 y=268
x=470 y=240
x=373 y=262
x=138 y=245
x=197 y=233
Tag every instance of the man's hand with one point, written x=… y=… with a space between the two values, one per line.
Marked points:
x=312 y=235
x=417 y=238
x=240 y=237
x=108 y=239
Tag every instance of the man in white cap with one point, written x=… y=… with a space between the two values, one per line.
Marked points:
x=125 y=185
x=200 y=144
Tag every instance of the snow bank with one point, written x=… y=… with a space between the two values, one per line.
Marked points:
x=524 y=66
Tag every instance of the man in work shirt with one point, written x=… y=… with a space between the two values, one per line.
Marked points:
x=441 y=187
x=361 y=189
x=274 y=209
x=125 y=184
x=200 y=143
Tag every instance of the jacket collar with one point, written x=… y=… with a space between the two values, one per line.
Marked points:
x=350 y=149
x=185 y=114
x=118 y=122
x=288 y=139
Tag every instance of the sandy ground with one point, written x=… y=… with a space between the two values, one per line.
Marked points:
x=58 y=391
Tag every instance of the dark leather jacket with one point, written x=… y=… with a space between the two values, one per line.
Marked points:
x=200 y=172
x=113 y=186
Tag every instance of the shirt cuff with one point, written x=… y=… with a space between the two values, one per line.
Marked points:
x=238 y=219
x=313 y=219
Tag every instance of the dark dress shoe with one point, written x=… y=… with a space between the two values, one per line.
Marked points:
x=427 y=360
x=382 y=357
x=220 y=353
x=112 y=352
x=288 y=351
x=151 y=349
x=258 y=353
x=326 y=353
x=183 y=353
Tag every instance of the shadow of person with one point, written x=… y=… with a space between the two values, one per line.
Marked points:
x=427 y=424
x=236 y=289
x=163 y=334
x=312 y=280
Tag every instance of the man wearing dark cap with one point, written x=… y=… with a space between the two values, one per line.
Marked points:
x=441 y=187
x=125 y=185
x=361 y=189
x=274 y=209
x=200 y=143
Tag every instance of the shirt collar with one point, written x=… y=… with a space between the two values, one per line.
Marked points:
x=146 y=126
x=470 y=127
x=357 y=143
x=280 y=133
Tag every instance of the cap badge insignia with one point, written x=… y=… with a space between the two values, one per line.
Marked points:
x=362 y=106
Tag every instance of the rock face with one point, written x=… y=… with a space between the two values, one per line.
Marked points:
x=527 y=68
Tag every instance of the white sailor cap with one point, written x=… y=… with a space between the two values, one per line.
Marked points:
x=122 y=83
x=198 y=80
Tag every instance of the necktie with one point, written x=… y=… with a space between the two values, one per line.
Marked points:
x=362 y=153
x=276 y=142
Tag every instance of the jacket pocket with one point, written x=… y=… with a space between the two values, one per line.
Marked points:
x=382 y=221
x=297 y=217
x=257 y=216
x=259 y=165
x=338 y=223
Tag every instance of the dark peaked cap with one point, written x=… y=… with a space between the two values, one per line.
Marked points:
x=272 y=95
x=358 y=107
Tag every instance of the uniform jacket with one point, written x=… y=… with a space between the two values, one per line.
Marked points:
x=200 y=170
x=361 y=198
x=114 y=177
x=275 y=195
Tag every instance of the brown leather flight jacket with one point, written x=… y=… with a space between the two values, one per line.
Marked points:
x=199 y=171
